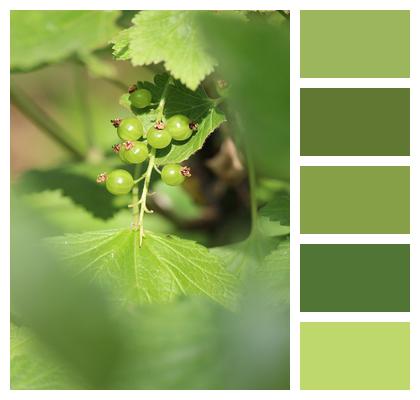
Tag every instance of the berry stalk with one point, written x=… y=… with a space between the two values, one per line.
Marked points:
x=135 y=198
x=143 y=198
x=151 y=165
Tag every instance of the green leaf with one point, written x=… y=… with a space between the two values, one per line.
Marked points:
x=78 y=182
x=196 y=105
x=194 y=344
x=245 y=257
x=173 y=346
x=181 y=151
x=33 y=367
x=43 y=37
x=261 y=262
x=64 y=216
x=263 y=258
x=164 y=268
x=121 y=42
x=274 y=217
x=171 y=37
x=71 y=316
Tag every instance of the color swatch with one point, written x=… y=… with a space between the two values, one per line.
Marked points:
x=355 y=278
x=355 y=122
x=355 y=355
x=347 y=200
x=355 y=44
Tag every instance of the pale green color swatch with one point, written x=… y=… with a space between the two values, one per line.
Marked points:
x=355 y=355
x=355 y=44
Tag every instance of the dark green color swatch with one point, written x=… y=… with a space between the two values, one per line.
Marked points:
x=355 y=277
x=355 y=355
x=355 y=122
x=355 y=44
x=355 y=200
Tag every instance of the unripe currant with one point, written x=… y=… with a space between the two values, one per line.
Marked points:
x=174 y=174
x=179 y=127
x=140 y=98
x=128 y=128
x=158 y=138
x=119 y=182
x=135 y=152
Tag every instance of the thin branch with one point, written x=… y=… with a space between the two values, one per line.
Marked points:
x=41 y=119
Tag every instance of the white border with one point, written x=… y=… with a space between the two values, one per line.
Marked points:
x=296 y=238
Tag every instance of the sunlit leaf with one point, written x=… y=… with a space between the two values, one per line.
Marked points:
x=171 y=37
x=64 y=216
x=163 y=268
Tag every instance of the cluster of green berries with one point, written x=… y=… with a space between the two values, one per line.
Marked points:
x=135 y=145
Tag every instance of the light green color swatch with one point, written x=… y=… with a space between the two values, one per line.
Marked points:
x=355 y=44
x=364 y=200
x=355 y=355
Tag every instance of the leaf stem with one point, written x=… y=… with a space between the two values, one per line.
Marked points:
x=41 y=119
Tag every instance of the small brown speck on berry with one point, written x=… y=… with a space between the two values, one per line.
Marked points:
x=102 y=177
x=116 y=148
x=186 y=171
x=193 y=126
x=159 y=125
x=116 y=122
x=128 y=145
x=132 y=88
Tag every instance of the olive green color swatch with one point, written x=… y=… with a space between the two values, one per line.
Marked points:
x=355 y=278
x=355 y=122
x=355 y=355
x=355 y=44
x=346 y=200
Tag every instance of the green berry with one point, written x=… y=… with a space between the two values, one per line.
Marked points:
x=122 y=153
x=130 y=129
x=137 y=152
x=179 y=127
x=140 y=98
x=119 y=182
x=158 y=138
x=172 y=174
